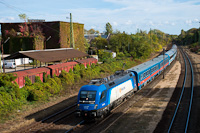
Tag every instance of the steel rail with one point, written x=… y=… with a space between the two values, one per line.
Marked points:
x=183 y=89
x=60 y=118
x=49 y=117
x=43 y=120
x=191 y=98
x=71 y=129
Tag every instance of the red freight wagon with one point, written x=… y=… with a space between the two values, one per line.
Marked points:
x=87 y=61
x=31 y=73
x=57 y=69
x=93 y=60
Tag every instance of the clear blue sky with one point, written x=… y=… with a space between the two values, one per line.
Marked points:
x=169 y=16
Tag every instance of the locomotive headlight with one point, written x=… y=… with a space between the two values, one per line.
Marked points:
x=78 y=106
x=95 y=107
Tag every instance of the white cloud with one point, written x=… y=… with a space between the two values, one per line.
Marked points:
x=151 y=23
x=188 y=22
x=196 y=20
x=129 y=22
x=144 y=14
x=166 y=15
x=11 y=18
x=173 y=24
x=93 y=27
x=7 y=19
x=115 y=23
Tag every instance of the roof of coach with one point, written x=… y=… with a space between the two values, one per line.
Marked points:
x=145 y=65
x=174 y=46
x=161 y=57
x=170 y=52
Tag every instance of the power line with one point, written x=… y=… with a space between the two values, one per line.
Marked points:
x=18 y=9
x=9 y=6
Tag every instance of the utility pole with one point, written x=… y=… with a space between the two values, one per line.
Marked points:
x=2 y=53
x=150 y=35
x=199 y=33
x=1 y=56
x=71 y=33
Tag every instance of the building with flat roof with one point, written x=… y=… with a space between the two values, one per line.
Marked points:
x=41 y=35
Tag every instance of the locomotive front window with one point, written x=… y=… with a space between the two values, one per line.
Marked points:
x=87 y=97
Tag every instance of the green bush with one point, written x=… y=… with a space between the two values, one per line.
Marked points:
x=6 y=77
x=11 y=96
x=27 y=82
x=48 y=77
x=35 y=93
x=54 y=85
x=44 y=77
x=37 y=79
x=77 y=69
x=77 y=77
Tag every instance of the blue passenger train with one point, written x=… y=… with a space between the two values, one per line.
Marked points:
x=100 y=96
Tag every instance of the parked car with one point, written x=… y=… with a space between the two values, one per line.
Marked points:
x=10 y=65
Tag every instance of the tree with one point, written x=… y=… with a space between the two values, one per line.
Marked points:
x=24 y=28
x=91 y=31
x=23 y=17
x=99 y=42
x=108 y=28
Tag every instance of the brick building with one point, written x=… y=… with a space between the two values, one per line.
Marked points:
x=41 y=35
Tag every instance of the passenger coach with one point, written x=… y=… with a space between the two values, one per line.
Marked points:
x=146 y=72
x=172 y=53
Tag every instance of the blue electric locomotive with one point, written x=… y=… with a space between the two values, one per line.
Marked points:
x=100 y=96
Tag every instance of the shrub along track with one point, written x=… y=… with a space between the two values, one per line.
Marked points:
x=137 y=98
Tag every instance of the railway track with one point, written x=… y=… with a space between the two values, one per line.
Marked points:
x=181 y=118
x=104 y=124
x=186 y=119
x=49 y=121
